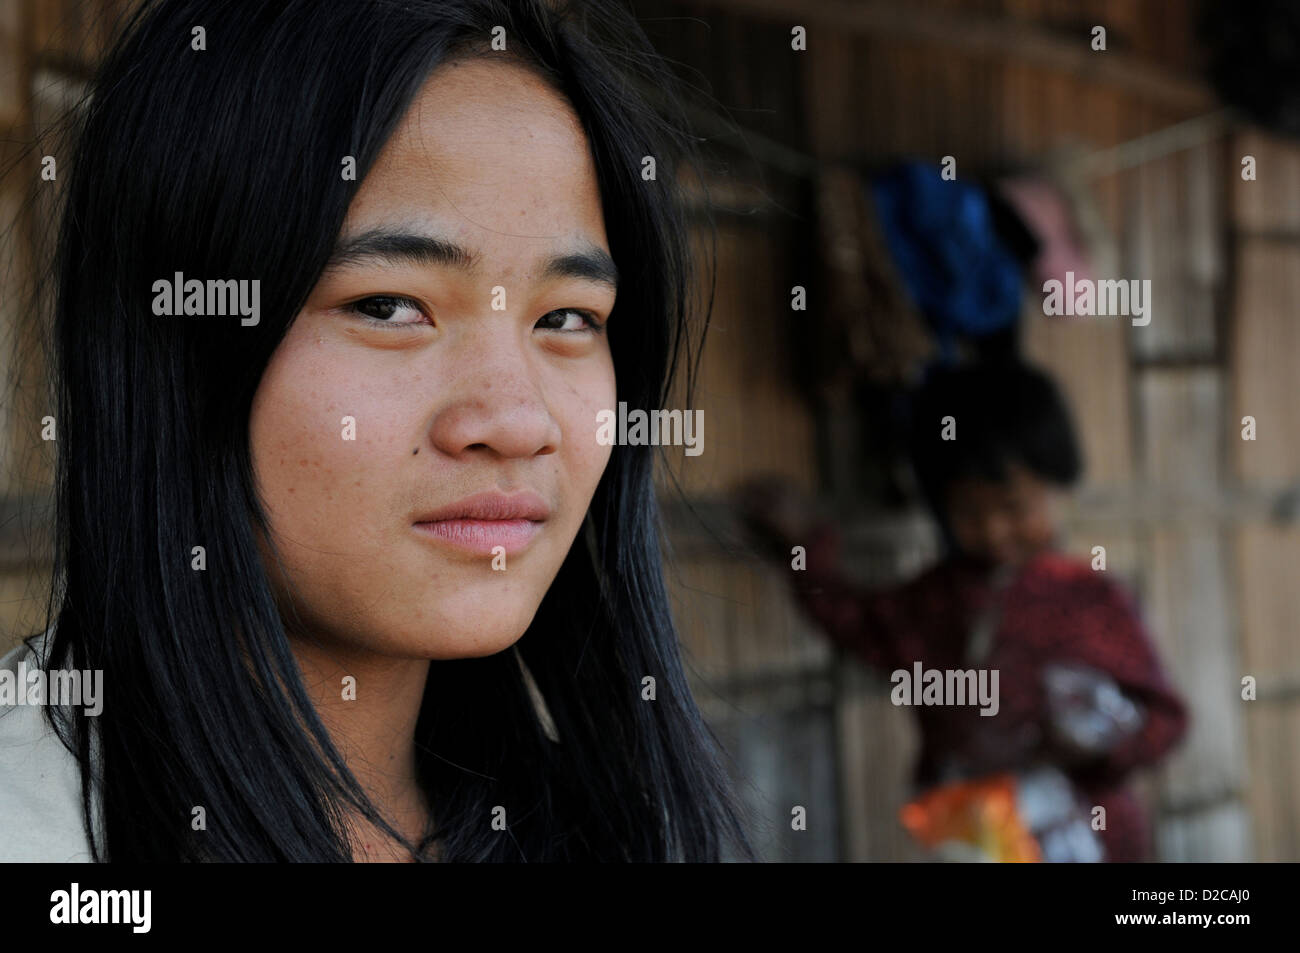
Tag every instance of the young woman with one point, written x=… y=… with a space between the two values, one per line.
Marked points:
x=341 y=289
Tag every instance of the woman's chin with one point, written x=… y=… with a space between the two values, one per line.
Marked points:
x=471 y=633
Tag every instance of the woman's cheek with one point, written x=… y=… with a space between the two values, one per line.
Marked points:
x=599 y=392
x=319 y=452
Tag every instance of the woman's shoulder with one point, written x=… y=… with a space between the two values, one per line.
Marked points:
x=41 y=817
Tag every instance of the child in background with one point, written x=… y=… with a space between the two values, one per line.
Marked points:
x=1081 y=688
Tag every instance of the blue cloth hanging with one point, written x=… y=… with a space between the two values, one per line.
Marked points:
x=945 y=246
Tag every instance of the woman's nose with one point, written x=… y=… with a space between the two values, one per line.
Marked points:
x=498 y=404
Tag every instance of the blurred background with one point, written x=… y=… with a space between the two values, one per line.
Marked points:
x=1170 y=154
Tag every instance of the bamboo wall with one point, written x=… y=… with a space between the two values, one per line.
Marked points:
x=48 y=49
x=1187 y=511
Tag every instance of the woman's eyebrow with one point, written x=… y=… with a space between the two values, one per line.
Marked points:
x=395 y=247
x=587 y=261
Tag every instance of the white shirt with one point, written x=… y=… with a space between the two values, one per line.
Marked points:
x=40 y=780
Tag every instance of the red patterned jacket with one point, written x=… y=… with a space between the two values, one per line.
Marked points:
x=1055 y=609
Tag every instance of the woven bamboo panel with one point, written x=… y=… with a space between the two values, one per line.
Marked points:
x=1266 y=353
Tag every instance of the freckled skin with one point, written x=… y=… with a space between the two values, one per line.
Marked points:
x=492 y=158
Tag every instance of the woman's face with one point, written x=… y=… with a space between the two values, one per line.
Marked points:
x=448 y=352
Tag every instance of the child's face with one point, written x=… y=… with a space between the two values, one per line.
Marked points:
x=1003 y=523
x=414 y=379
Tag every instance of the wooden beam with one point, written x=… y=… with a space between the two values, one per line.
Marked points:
x=982 y=35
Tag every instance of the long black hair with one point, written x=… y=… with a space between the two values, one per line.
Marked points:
x=226 y=161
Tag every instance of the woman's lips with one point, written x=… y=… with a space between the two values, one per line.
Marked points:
x=481 y=536
x=480 y=523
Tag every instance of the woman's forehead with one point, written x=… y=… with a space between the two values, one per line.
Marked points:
x=490 y=153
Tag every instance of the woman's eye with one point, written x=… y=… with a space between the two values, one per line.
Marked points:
x=569 y=319
x=389 y=309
